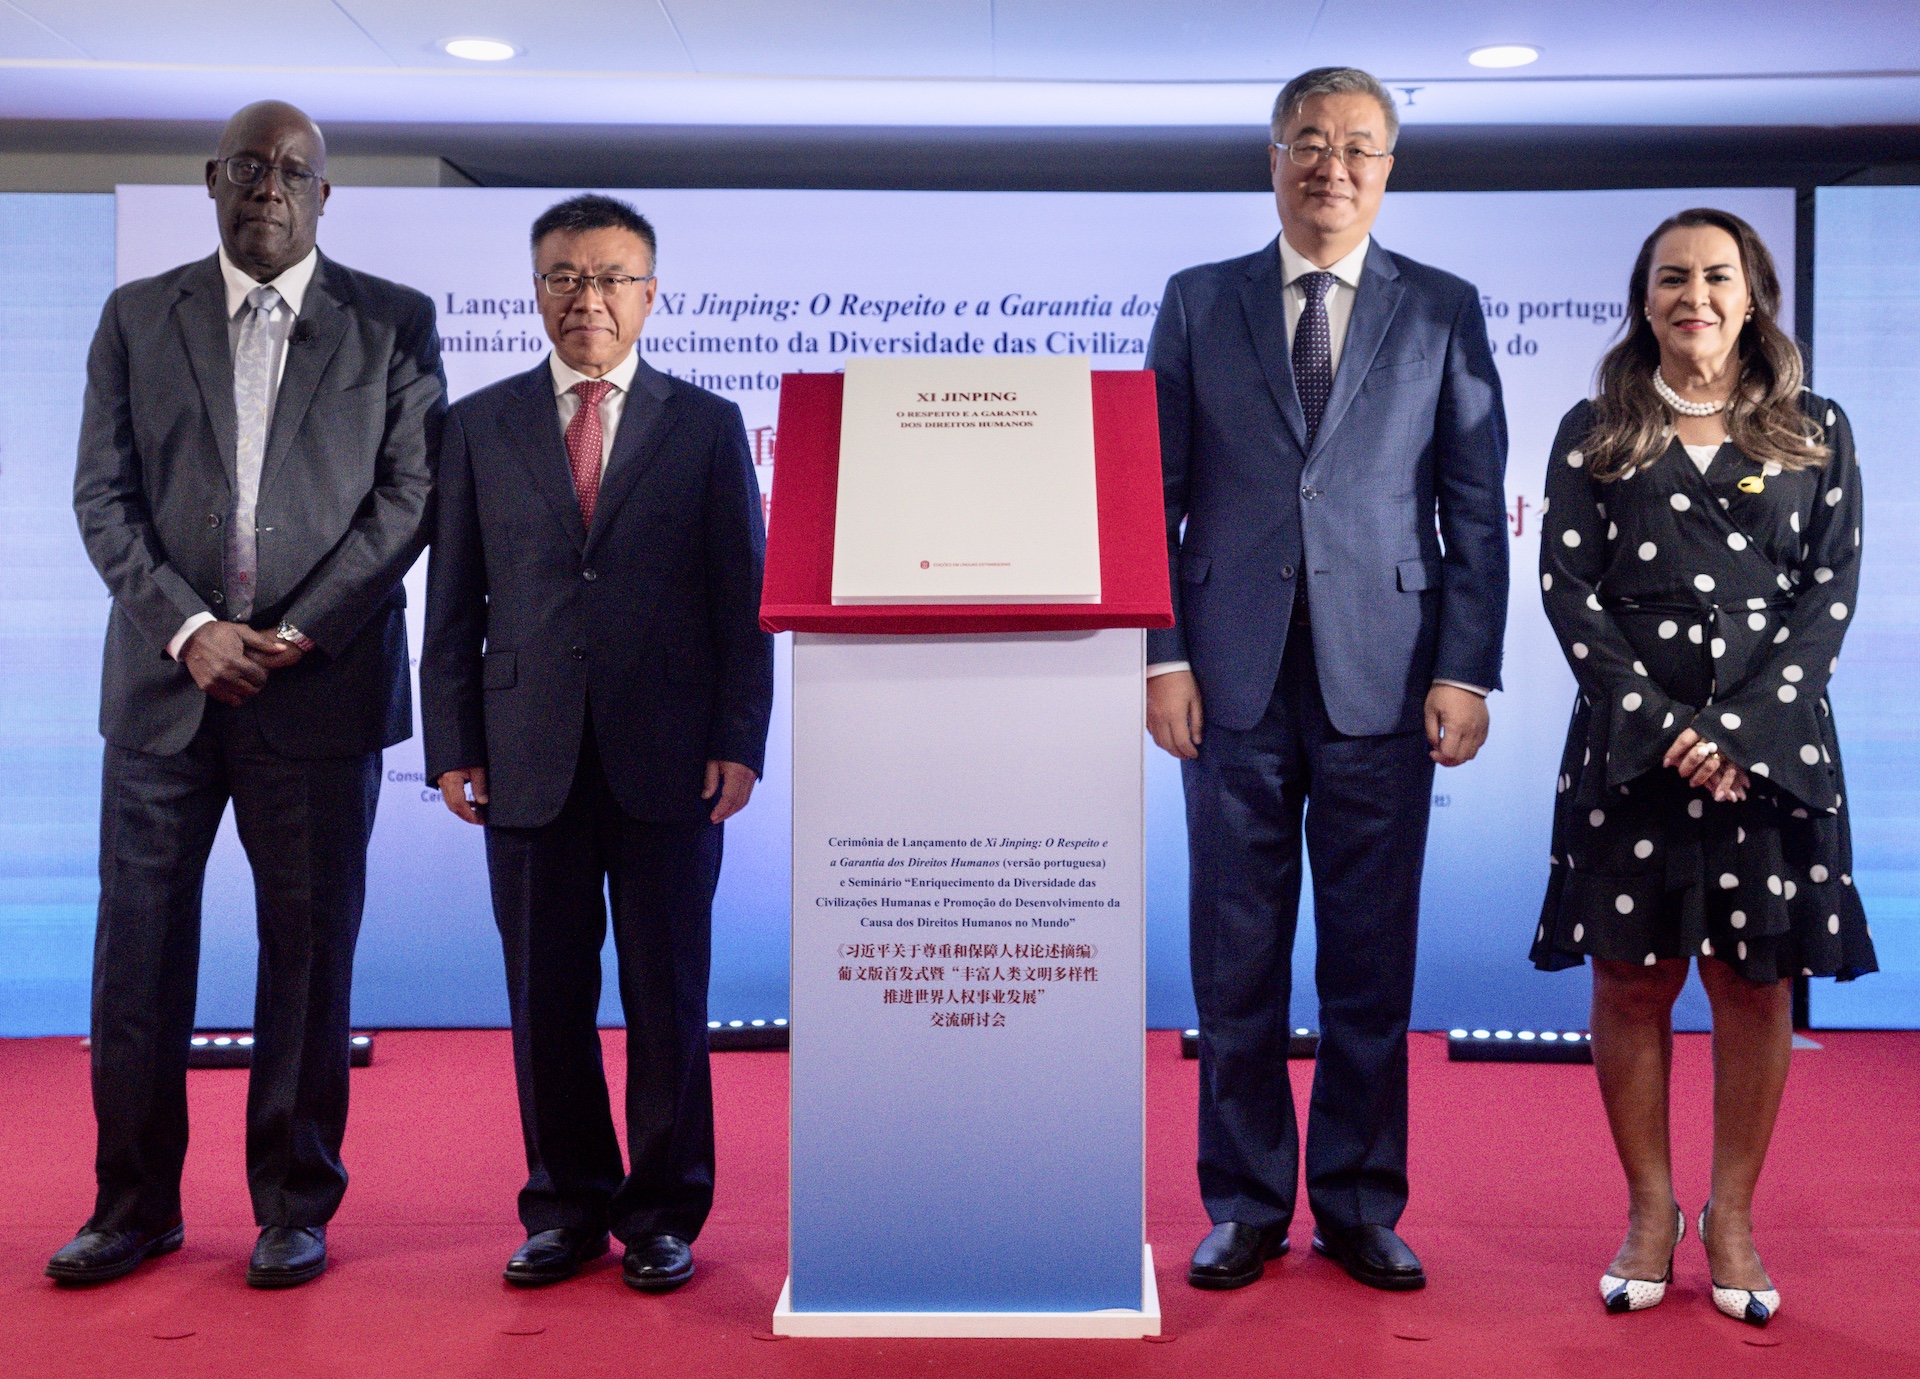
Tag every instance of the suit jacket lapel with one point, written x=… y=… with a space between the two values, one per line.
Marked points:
x=201 y=310
x=324 y=321
x=643 y=425
x=1374 y=304
x=537 y=444
x=1262 y=298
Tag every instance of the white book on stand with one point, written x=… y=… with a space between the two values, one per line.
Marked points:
x=967 y=481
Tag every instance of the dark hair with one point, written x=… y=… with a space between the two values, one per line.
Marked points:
x=593 y=212
x=1333 y=81
x=1764 y=416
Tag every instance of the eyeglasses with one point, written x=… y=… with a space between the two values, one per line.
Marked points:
x=250 y=172
x=608 y=285
x=1356 y=158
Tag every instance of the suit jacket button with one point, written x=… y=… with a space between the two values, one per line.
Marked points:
x=1309 y=493
x=1286 y=572
x=216 y=598
x=589 y=576
x=579 y=653
x=213 y=520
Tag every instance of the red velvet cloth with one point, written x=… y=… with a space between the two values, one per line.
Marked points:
x=798 y=594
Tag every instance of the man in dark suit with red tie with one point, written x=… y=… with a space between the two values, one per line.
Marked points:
x=596 y=690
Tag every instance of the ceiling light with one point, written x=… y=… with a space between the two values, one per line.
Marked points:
x=1504 y=55
x=480 y=49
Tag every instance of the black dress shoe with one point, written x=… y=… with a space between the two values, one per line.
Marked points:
x=1234 y=1255
x=657 y=1263
x=96 y=1256
x=1372 y=1254
x=286 y=1256
x=549 y=1256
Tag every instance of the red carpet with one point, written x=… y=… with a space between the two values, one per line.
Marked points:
x=1517 y=1206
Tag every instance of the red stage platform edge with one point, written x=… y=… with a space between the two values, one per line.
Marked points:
x=1517 y=1205
x=798 y=591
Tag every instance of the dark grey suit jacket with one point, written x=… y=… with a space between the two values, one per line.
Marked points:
x=343 y=507
x=1395 y=515
x=650 y=620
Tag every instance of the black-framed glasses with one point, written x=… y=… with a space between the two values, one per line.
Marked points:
x=243 y=171
x=1356 y=158
x=608 y=285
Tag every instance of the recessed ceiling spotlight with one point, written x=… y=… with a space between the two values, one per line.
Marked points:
x=1504 y=55
x=479 y=49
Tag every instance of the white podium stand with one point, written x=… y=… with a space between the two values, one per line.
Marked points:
x=968 y=985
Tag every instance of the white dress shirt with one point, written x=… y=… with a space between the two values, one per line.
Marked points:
x=612 y=405
x=292 y=286
x=1346 y=286
x=1339 y=299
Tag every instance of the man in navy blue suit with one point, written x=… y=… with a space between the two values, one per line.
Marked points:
x=1335 y=453
x=596 y=689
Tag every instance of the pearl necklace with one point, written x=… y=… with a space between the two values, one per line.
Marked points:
x=1680 y=404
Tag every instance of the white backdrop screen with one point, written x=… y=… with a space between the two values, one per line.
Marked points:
x=757 y=283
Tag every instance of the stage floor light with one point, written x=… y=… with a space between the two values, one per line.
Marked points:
x=730 y=1036
x=1519 y=1046
x=233 y=1048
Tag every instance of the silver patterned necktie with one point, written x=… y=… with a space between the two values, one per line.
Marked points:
x=253 y=390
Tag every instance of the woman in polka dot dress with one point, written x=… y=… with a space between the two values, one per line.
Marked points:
x=1699 y=562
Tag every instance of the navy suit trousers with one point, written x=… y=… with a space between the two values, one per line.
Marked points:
x=551 y=886
x=1364 y=803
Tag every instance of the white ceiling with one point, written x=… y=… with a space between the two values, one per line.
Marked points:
x=959 y=62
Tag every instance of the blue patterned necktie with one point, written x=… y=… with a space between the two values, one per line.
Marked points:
x=253 y=390
x=1313 y=350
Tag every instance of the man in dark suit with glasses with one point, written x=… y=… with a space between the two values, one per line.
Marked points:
x=596 y=691
x=1334 y=450
x=255 y=467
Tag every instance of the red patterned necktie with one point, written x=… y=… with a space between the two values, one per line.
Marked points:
x=584 y=444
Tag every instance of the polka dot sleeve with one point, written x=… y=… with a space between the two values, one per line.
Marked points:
x=1634 y=721
x=1777 y=722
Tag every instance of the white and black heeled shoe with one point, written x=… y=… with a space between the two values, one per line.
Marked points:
x=1755 y=1308
x=1638 y=1294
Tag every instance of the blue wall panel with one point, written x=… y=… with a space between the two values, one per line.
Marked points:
x=1866 y=356
x=56 y=267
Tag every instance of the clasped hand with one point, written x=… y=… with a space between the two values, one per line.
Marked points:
x=1700 y=764
x=230 y=661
